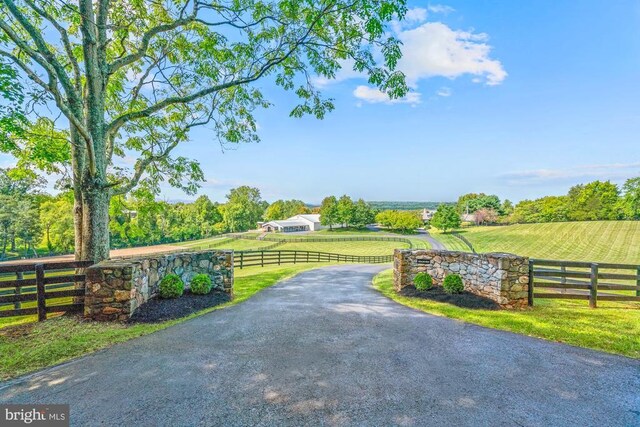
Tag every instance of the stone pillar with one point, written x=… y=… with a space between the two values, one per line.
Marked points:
x=116 y=288
x=500 y=277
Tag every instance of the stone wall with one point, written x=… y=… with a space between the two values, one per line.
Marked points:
x=116 y=288
x=503 y=278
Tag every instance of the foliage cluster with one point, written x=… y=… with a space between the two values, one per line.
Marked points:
x=597 y=200
x=423 y=281
x=344 y=211
x=399 y=220
x=453 y=284
x=171 y=286
x=445 y=218
x=201 y=284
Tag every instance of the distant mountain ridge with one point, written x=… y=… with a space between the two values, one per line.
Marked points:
x=405 y=206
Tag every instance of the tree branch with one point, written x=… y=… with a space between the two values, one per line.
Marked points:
x=44 y=50
x=146 y=39
x=65 y=41
x=124 y=118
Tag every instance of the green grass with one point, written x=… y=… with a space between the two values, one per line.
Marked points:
x=298 y=242
x=364 y=248
x=235 y=244
x=451 y=242
x=29 y=347
x=603 y=241
x=612 y=327
x=340 y=232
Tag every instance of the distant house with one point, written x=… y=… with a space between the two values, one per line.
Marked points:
x=310 y=222
x=427 y=214
x=468 y=217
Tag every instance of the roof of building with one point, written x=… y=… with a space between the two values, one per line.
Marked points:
x=308 y=217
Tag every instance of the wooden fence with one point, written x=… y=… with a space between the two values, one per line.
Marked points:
x=583 y=281
x=38 y=282
x=464 y=240
x=304 y=239
x=261 y=258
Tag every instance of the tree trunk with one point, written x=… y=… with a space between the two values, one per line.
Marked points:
x=94 y=226
x=4 y=242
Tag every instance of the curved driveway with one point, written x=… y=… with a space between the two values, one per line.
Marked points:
x=325 y=348
x=435 y=243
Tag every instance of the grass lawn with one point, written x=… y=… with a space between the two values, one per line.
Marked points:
x=604 y=241
x=364 y=248
x=32 y=346
x=340 y=232
x=612 y=327
x=226 y=243
x=299 y=242
x=451 y=242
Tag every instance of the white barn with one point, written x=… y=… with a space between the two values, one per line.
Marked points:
x=310 y=222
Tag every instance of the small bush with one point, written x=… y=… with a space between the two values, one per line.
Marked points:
x=453 y=284
x=423 y=281
x=201 y=284
x=171 y=286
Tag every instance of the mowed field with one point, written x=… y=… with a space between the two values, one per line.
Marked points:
x=300 y=243
x=600 y=241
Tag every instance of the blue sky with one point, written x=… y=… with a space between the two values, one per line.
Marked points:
x=521 y=99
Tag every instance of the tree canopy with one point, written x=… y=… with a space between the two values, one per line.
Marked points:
x=133 y=79
x=446 y=218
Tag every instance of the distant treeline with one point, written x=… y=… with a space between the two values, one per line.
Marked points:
x=405 y=206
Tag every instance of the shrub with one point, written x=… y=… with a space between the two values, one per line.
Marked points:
x=423 y=281
x=453 y=284
x=171 y=286
x=201 y=284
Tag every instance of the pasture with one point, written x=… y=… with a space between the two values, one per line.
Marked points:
x=304 y=243
x=599 y=241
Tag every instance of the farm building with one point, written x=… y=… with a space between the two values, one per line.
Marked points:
x=309 y=222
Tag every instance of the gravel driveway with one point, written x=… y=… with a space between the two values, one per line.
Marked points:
x=324 y=348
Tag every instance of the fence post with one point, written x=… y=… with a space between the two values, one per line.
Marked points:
x=563 y=279
x=638 y=282
x=279 y=253
x=593 y=288
x=530 y=289
x=241 y=259
x=262 y=258
x=42 y=308
x=295 y=256
x=17 y=305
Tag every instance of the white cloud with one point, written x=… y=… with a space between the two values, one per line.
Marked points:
x=417 y=14
x=431 y=49
x=612 y=171
x=444 y=91
x=434 y=49
x=375 y=96
x=440 y=8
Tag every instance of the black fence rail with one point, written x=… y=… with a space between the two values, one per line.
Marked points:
x=464 y=240
x=583 y=281
x=261 y=258
x=301 y=239
x=37 y=282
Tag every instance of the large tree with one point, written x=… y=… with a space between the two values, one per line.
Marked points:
x=446 y=218
x=243 y=210
x=329 y=215
x=631 y=199
x=133 y=78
